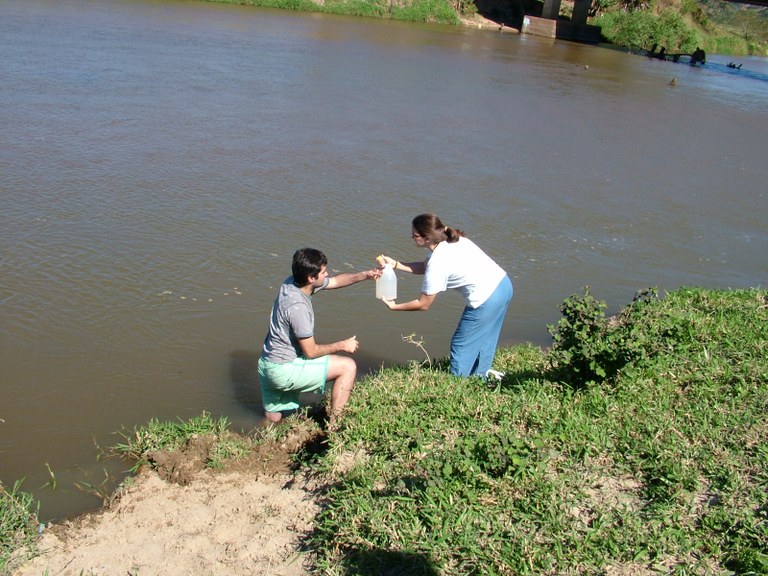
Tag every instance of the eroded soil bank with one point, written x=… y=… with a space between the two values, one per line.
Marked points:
x=179 y=518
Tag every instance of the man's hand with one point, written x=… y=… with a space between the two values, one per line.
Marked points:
x=350 y=345
x=390 y=303
x=311 y=349
x=374 y=273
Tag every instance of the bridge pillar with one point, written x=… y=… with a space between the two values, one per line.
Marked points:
x=574 y=29
x=580 y=11
x=551 y=9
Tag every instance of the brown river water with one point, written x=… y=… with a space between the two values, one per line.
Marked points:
x=161 y=161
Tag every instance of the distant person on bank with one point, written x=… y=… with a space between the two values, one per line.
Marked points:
x=455 y=262
x=291 y=362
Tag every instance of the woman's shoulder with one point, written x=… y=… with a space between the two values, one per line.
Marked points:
x=460 y=241
x=466 y=244
x=462 y=248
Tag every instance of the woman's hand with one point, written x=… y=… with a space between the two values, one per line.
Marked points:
x=423 y=302
x=385 y=261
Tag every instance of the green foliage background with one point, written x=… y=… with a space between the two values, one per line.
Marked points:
x=716 y=26
x=435 y=11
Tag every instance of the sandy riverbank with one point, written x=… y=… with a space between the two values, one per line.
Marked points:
x=179 y=518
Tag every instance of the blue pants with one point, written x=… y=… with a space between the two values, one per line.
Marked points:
x=474 y=343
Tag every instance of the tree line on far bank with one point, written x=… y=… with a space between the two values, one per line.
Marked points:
x=716 y=26
x=683 y=25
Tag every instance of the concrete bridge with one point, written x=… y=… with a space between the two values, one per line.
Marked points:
x=574 y=29
x=517 y=15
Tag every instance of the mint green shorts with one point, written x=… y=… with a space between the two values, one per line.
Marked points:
x=281 y=384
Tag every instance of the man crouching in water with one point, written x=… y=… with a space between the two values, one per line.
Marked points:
x=291 y=362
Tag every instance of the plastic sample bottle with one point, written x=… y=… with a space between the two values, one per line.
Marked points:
x=386 y=286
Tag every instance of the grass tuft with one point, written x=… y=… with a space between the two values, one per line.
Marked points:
x=156 y=435
x=18 y=525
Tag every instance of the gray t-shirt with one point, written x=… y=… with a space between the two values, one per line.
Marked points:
x=292 y=319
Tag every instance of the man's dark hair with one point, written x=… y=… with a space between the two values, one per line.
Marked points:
x=307 y=262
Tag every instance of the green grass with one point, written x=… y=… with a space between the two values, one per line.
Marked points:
x=435 y=11
x=18 y=523
x=663 y=466
x=156 y=435
x=652 y=458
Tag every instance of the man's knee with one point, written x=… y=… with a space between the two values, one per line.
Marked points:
x=341 y=366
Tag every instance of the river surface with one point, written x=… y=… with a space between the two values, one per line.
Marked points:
x=160 y=162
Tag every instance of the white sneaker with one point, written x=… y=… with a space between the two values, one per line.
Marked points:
x=495 y=374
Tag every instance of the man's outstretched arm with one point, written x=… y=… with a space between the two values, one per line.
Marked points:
x=349 y=278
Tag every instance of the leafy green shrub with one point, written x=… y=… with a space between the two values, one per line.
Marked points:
x=588 y=347
x=641 y=29
x=633 y=29
x=675 y=33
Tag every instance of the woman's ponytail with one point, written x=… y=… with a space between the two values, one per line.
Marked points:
x=452 y=234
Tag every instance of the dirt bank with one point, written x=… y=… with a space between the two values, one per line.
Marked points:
x=178 y=518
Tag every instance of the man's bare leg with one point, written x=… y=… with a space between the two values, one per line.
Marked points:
x=342 y=371
x=273 y=417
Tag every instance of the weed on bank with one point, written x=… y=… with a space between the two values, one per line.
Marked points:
x=18 y=523
x=637 y=445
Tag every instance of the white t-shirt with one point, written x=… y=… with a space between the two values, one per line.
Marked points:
x=462 y=266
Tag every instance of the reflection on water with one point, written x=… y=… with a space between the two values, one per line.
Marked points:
x=162 y=161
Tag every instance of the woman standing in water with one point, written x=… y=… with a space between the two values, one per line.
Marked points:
x=457 y=263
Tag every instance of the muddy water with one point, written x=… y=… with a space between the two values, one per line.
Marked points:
x=161 y=161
